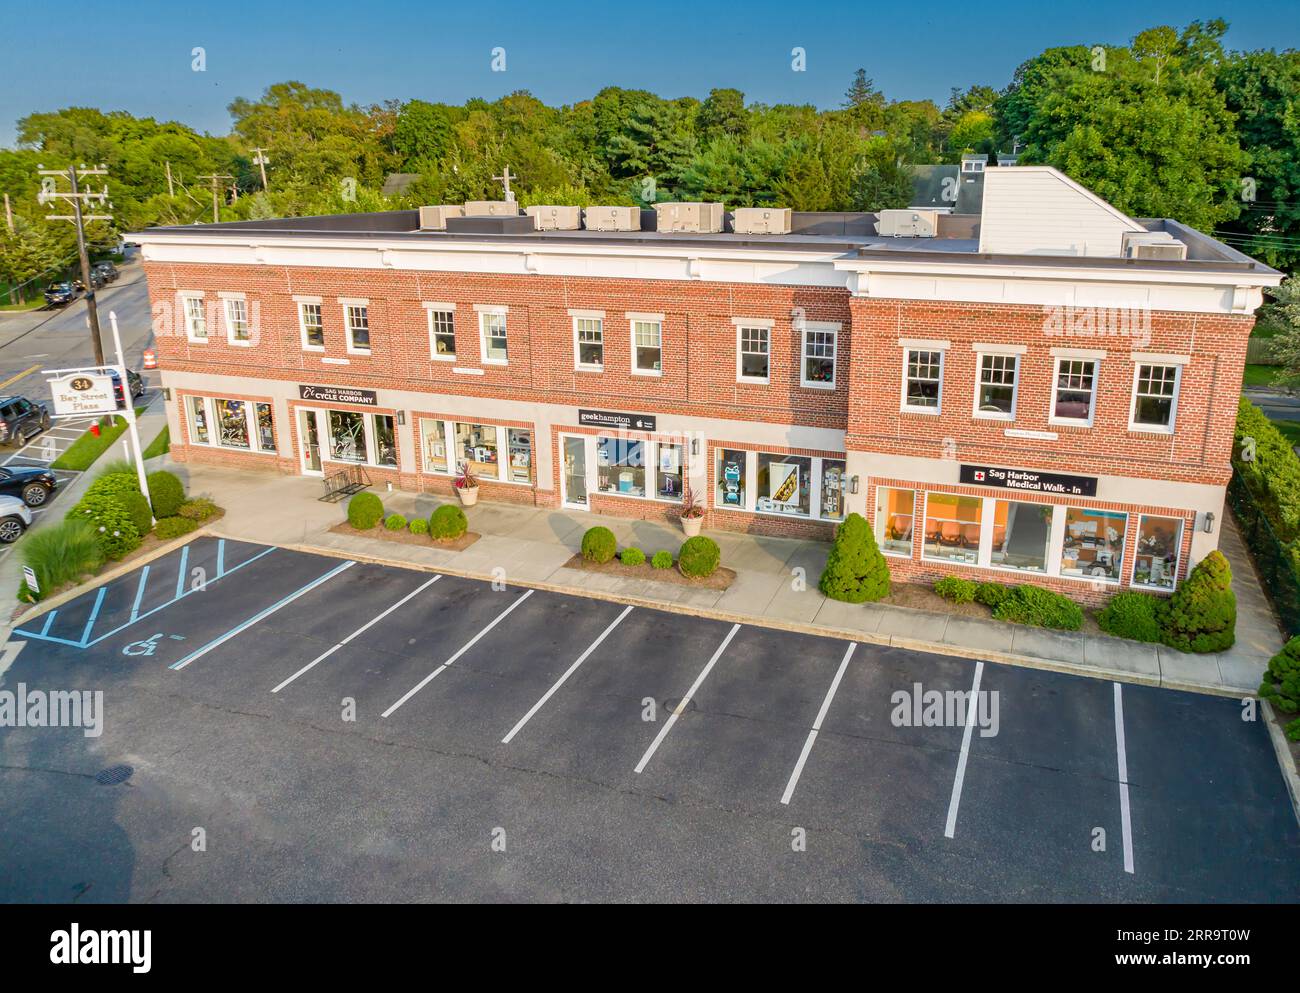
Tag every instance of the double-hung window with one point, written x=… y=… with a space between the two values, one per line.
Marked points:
x=237 y=330
x=922 y=380
x=196 y=322
x=442 y=331
x=1074 y=391
x=1155 y=396
x=588 y=342
x=647 y=344
x=311 y=323
x=817 y=365
x=997 y=380
x=356 y=318
x=753 y=353
x=492 y=336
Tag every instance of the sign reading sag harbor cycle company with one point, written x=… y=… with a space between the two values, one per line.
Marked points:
x=339 y=394
x=82 y=393
x=616 y=419
x=1035 y=482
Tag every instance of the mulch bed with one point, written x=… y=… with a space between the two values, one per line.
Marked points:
x=921 y=597
x=404 y=537
x=720 y=580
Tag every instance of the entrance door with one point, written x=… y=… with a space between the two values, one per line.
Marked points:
x=309 y=435
x=574 y=475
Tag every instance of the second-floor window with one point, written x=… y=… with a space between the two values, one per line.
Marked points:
x=1155 y=397
x=753 y=354
x=494 y=338
x=1075 y=390
x=923 y=380
x=313 y=327
x=237 y=322
x=647 y=347
x=818 y=358
x=995 y=391
x=442 y=334
x=357 y=318
x=196 y=323
x=589 y=343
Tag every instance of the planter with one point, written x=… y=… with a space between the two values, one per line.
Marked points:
x=468 y=495
x=691 y=525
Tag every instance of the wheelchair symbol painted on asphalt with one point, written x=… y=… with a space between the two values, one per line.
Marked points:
x=149 y=645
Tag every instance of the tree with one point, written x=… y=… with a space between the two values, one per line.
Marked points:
x=27 y=252
x=1202 y=614
x=723 y=113
x=855 y=570
x=1282 y=313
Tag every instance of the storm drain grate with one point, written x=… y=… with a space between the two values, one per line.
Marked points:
x=113 y=775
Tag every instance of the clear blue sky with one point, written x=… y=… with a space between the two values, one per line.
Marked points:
x=135 y=56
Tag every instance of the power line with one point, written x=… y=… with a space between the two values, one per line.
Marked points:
x=48 y=195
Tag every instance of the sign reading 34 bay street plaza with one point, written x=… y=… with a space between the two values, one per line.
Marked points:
x=1025 y=479
x=77 y=393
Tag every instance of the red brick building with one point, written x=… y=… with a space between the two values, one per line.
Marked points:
x=1043 y=392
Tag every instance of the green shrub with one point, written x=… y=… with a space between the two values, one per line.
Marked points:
x=25 y=595
x=138 y=507
x=599 y=545
x=114 y=484
x=115 y=531
x=418 y=525
x=855 y=570
x=198 y=509
x=954 y=589
x=991 y=594
x=61 y=554
x=114 y=467
x=1040 y=607
x=365 y=510
x=1202 y=614
x=1281 y=684
x=632 y=556
x=165 y=493
x=1292 y=730
x=662 y=560
x=699 y=557
x=448 y=522
x=1132 y=615
x=395 y=522
x=173 y=527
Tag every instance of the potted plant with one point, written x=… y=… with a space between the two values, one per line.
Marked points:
x=467 y=486
x=692 y=513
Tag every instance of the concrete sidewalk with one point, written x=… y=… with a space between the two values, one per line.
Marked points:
x=776 y=581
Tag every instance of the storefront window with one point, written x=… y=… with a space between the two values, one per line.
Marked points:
x=265 y=427
x=668 y=474
x=476 y=445
x=784 y=485
x=233 y=417
x=833 y=490
x=894 y=520
x=198 y=420
x=1160 y=540
x=620 y=466
x=347 y=436
x=731 y=472
x=1021 y=533
x=952 y=528
x=433 y=443
x=521 y=455
x=385 y=440
x=1093 y=544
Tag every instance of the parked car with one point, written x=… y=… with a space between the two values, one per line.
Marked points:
x=97 y=279
x=107 y=270
x=20 y=419
x=133 y=380
x=60 y=294
x=15 y=518
x=33 y=485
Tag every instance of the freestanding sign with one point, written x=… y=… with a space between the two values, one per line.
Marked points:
x=1026 y=479
x=29 y=577
x=81 y=393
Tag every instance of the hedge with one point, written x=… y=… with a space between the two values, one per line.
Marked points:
x=991 y=594
x=365 y=510
x=138 y=507
x=448 y=522
x=855 y=570
x=699 y=557
x=173 y=527
x=599 y=545
x=1041 y=608
x=1133 y=615
x=956 y=590
x=165 y=493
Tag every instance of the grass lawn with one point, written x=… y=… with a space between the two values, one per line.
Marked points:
x=1289 y=428
x=160 y=445
x=83 y=452
x=1260 y=375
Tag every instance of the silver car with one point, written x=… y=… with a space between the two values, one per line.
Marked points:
x=15 y=518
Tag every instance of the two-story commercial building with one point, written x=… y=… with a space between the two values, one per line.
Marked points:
x=1044 y=391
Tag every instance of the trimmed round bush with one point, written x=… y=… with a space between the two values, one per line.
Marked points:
x=448 y=522
x=138 y=507
x=1041 y=608
x=1281 y=685
x=662 y=560
x=114 y=484
x=115 y=531
x=632 y=556
x=699 y=557
x=991 y=594
x=173 y=527
x=165 y=493
x=1132 y=615
x=418 y=525
x=365 y=510
x=855 y=570
x=395 y=522
x=954 y=589
x=198 y=509
x=599 y=545
x=1202 y=613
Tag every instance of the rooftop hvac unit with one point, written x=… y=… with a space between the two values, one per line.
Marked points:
x=908 y=223
x=1154 y=245
x=435 y=218
x=491 y=208
x=612 y=218
x=697 y=218
x=762 y=220
x=556 y=218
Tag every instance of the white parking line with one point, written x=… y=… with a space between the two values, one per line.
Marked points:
x=567 y=673
x=971 y=708
x=463 y=649
x=817 y=724
x=1121 y=753
x=681 y=706
x=322 y=657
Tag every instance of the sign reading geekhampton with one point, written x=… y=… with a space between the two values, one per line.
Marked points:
x=616 y=419
x=1024 y=479
x=339 y=394
x=82 y=393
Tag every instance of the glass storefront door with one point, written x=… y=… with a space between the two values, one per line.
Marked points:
x=309 y=438
x=575 y=471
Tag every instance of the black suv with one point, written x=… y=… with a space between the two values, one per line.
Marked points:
x=33 y=486
x=60 y=294
x=107 y=270
x=21 y=419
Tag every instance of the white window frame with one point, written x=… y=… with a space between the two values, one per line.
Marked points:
x=878 y=524
x=484 y=313
x=981 y=353
x=817 y=466
x=303 y=303
x=765 y=327
x=1074 y=356
x=185 y=297
x=650 y=450
x=348 y=304
x=578 y=317
x=1167 y=362
x=1178 y=557
x=819 y=327
x=903 y=405
x=503 y=446
x=227 y=299
x=657 y=320
x=214 y=426
x=440 y=308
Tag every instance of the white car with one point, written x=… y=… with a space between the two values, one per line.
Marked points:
x=15 y=518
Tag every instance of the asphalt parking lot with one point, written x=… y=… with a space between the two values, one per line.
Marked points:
x=344 y=731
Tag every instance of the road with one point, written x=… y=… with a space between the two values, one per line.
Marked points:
x=281 y=726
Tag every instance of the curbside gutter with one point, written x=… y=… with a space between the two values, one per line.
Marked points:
x=1283 y=749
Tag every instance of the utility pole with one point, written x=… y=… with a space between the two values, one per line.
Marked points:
x=9 y=214
x=215 y=179
x=261 y=161
x=504 y=180
x=47 y=196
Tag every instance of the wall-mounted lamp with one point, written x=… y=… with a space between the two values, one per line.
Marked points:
x=695 y=446
x=401 y=417
x=853 y=484
x=1207 y=522
x=167 y=393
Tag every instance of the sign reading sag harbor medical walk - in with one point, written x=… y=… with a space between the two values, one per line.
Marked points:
x=1023 y=479
x=616 y=419
x=339 y=394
